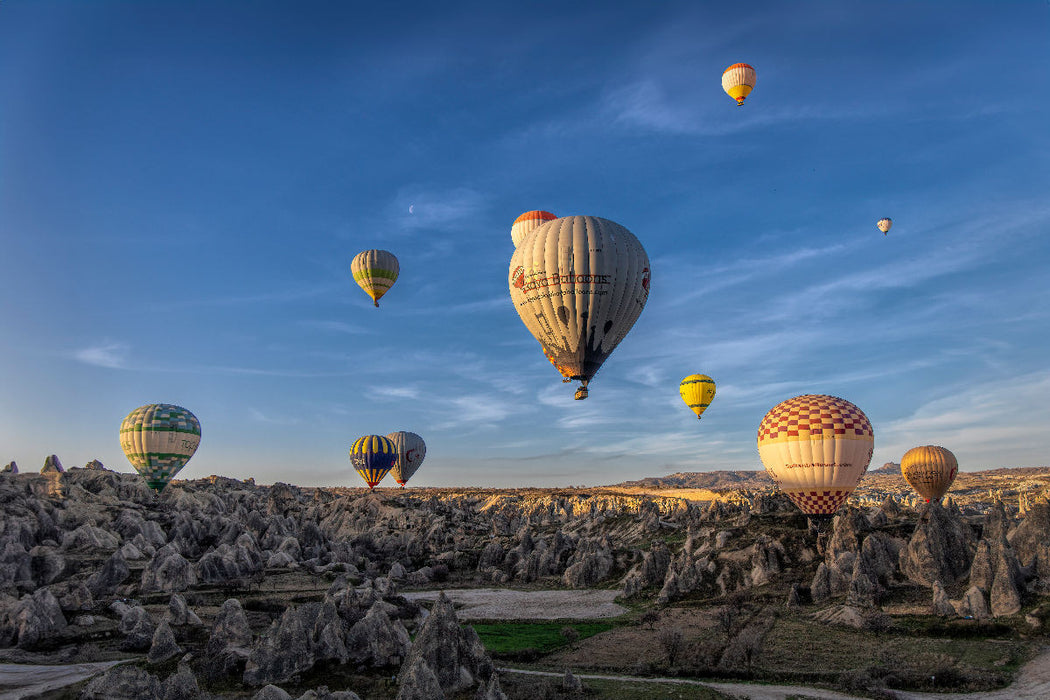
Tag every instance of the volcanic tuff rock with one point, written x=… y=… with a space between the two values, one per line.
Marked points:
x=52 y=465
x=168 y=571
x=163 y=646
x=10 y=468
x=113 y=573
x=179 y=613
x=137 y=627
x=124 y=682
x=1031 y=540
x=454 y=654
x=940 y=549
x=31 y=620
x=417 y=681
x=228 y=645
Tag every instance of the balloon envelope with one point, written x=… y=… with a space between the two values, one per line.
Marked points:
x=885 y=225
x=738 y=80
x=159 y=439
x=410 y=450
x=697 y=391
x=816 y=448
x=528 y=221
x=375 y=271
x=372 y=456
x=930 y=470
x=579 y=283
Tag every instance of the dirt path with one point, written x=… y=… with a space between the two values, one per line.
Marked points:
x=504 y=604
x=19 y=681
x=752 y=691
x=1032 y=683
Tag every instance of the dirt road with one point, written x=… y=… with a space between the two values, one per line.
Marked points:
x=1033 y=683
x=19 y=681
x=505 y=604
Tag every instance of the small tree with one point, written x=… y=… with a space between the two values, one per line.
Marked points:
x=672 y=642
x=570 y=633
x=650 y=618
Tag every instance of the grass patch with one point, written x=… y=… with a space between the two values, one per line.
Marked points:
x=510 y=639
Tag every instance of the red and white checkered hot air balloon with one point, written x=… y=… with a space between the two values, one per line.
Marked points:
x=816 y=448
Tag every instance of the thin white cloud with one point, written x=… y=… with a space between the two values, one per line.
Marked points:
x=260 y=417
x=988 y=424
x=435 y=209
x=395 y=392
x=110 y=355
x=335 y=327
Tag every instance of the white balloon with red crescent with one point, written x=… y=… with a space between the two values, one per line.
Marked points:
x=411 y=450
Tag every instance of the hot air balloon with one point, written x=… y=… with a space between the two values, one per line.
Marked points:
x=158 y=439
x=697 y=390
x=737 y=81
x=816 y=448
x=373 y=456
x=579 y=283
x=410 y=450
x=528 y=221
x=885 y=225
x=375 y=271
x=930 y=470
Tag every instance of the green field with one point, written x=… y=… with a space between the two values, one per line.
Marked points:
x=511 y=638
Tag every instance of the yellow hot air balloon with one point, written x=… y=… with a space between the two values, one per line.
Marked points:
x=373 y=456
x=816 y=448
x=885 y=225
x=410 y=450
x=159 y=439
x=528 y=221
x=579 y=283
x=697 y=390
x=738 y=80
x=930 y=470
x=375 y=271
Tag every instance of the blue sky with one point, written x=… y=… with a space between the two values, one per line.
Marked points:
x=184 y=184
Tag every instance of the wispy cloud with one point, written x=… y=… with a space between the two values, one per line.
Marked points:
x=110 y=355
x=259 y=416
x=416 y=208
x=335 y=327
x=395 y=392
x=988 y=424
x=474 y=411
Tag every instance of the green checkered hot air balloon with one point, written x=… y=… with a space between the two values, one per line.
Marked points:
x=158 y=440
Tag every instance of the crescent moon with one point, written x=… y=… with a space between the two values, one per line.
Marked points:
x=411 y=208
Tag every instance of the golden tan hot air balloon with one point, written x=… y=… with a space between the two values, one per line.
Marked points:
x=738 y=80
x=528 y=221
x=884 y=225
x=579 y=283
x=816 y=448
x=375 y=271
x=697 y=391
x=930 y=470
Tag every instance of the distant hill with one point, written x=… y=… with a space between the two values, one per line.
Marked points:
x=714 y=481
x=887 y=474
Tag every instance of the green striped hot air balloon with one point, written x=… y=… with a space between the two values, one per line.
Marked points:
x=375 y=271
x=159 y=439
x=373 y=456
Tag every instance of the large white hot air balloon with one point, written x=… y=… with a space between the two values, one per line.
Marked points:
x=579 y=283
x=410 y=450
x=816 y=448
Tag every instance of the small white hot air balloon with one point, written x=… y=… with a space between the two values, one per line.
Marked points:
x=528 y=221
x=738 y=80
x=885 y=225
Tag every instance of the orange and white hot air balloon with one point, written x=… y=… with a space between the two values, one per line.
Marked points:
x=884 y=225
x=738 y=80
x=816 y=448
x=930 y=470
x=527 y=222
